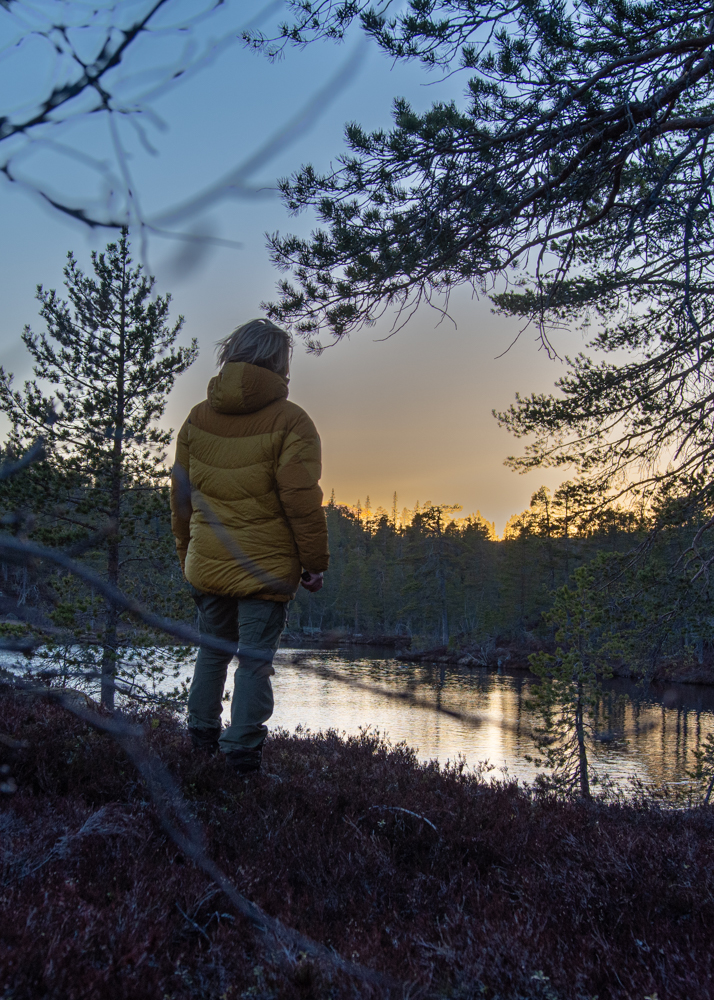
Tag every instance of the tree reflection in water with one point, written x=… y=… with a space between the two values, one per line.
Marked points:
x=447 y=712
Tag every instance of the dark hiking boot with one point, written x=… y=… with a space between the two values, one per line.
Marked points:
x=245 y=760
x=205 y=739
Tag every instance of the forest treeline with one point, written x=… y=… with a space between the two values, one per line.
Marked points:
x=438 y=579
x=442 y=580
x=580 y=154
x=596 y=574
x=597 y=571
x=426 y=575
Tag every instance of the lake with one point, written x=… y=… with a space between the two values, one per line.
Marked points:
x=448 y=712
x=647 y=733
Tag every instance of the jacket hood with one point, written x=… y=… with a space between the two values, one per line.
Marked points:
x=243 y=388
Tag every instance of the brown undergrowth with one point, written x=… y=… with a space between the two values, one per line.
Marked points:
x=501 y=894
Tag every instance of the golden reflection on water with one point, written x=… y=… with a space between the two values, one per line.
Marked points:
x=650 y=735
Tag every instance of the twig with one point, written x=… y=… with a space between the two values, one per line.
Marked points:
x=709 y=791
x=17 y=547
x=193 y=923
x=403 y=810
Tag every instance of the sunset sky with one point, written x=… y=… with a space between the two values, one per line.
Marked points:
x=412 y=413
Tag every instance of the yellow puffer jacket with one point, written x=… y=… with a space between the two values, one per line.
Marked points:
x=246 y=508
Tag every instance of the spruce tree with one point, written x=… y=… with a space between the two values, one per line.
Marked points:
x=102 y=374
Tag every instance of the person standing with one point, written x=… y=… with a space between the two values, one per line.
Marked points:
x=247 y=516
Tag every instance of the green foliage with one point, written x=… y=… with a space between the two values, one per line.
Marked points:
x=580 y=156
x=560 y=160
x=109 y=359
x=13 y=630
x=570 y=682
x=65 y=615
x=655 y=615
x=415 y=574
x=633 y=608
x=102 y=373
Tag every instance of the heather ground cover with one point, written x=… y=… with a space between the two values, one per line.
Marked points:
x=446 y=884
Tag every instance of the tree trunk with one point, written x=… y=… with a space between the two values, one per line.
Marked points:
x=567 y=542
x=444 y=613
x=441 y=580
x=109 y=652
x=582 y=752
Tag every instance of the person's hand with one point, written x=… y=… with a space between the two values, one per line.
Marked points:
x=311 y=581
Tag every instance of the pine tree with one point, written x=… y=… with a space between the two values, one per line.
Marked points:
x=570 y=684
x=580 y=152
x=580 y=155
x=110 y=359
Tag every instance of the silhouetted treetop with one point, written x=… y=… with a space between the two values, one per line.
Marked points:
x=579 y=155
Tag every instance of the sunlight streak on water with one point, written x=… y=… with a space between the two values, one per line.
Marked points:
x=650 y=734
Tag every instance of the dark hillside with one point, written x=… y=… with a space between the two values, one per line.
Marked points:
x=511 y=896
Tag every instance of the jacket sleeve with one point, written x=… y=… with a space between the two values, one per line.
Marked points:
x=298 y=475
x=181 y=508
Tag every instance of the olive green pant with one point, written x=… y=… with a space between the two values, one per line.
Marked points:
x=254 y=628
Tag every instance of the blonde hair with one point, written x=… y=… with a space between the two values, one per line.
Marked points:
x=258 y=342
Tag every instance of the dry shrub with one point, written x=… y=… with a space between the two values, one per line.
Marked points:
x=513 y=895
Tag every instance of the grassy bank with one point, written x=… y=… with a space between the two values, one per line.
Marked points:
x=487 y=891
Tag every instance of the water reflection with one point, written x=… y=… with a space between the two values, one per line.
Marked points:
x=650 y=734
x=483 y=716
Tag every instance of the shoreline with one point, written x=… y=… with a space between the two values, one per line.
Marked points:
x=513 y=656
x=510 y=655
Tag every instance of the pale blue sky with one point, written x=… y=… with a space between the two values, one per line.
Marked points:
x=412 y=414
